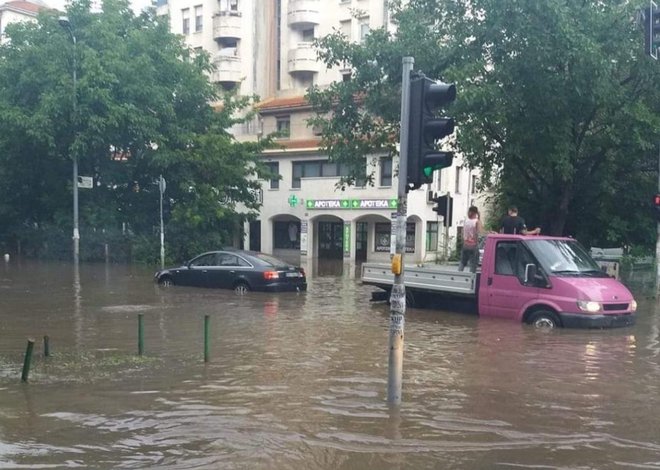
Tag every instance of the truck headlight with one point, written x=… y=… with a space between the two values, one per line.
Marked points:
x=589 y=306
x=633 y=306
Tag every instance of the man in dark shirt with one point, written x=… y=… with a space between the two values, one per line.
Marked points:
x=514 y=224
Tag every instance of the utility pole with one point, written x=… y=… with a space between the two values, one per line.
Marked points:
x=398 y=295
x=161 y=187
x=657 y=240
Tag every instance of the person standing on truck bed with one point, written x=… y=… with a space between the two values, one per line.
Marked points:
x=471 y=230
x=513 y=224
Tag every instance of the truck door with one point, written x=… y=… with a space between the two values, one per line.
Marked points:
x=506 y=292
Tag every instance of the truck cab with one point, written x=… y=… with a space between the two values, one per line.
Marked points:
x=550 y=282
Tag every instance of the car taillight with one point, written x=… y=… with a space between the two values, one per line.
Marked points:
x=271 y=275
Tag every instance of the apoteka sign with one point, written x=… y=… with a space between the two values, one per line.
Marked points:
x=350 y=204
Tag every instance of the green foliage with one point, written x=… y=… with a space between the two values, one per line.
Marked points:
x=557 y=105
x=142 y=108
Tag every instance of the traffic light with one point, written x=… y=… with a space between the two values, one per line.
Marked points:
x=445 y=207
x=424 y=129
x=656 y=206
x=652 y=29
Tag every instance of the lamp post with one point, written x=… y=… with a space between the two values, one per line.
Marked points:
x=66 y=24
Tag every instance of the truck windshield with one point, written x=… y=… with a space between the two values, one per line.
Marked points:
x=564 y=257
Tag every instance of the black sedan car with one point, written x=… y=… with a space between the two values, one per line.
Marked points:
x=239 y=270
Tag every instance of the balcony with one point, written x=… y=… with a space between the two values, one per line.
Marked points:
x=304 y=14
x=302 y=59
x=227 y=25
x=228 y=69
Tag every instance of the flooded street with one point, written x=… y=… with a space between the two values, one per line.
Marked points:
x=298 y=381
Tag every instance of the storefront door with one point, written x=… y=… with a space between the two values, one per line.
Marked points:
x=331 y=240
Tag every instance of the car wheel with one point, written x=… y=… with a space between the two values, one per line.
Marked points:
x=165 y=281
x=544 y=320
x=241 y=288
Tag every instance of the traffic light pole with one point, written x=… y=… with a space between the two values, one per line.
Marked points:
x=448 y=214
x=398 y=295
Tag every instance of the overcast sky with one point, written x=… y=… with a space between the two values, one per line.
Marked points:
x=138 y=5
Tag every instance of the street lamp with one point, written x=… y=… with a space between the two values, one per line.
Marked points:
x=66 y=24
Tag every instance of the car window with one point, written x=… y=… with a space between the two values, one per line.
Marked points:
x=208 y=259
x=505 y=258
x=226 y=259
x=269 y=260
x=243 y=263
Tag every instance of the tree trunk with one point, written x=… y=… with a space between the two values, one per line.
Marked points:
x=559 y=221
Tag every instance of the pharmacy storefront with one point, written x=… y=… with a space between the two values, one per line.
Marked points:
x=347 y=229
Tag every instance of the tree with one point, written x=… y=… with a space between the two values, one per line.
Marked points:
x=556 y=104
x=143 y=109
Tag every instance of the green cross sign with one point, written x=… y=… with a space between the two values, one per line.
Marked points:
x=293 y=200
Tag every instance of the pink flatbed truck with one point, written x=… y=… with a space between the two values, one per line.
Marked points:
x=544 y=281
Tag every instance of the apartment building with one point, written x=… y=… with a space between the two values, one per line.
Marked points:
x=16 y=11
x=265 y=47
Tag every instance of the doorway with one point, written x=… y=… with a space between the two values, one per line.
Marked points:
x=255 y=235
x=361 y=241
x=331 y=240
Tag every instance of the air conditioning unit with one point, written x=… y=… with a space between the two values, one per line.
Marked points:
x=430 y=196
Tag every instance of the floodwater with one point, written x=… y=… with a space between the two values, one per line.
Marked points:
x=298 y=381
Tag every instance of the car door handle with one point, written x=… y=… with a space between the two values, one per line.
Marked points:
x=490 y=281
x=205 y=270
x=232 y=272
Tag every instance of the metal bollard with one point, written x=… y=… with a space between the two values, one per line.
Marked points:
x=46 y=346
x=140 y=334
x=28 y=360
x=207 y=321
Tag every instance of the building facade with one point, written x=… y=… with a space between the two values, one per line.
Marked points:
x=265 y=48
x=17 y=11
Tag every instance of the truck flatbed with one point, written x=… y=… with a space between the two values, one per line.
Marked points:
x=432 y=278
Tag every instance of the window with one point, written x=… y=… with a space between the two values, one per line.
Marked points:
x=316 y=169
x=457 y=188
x=226 y=259
x=208 y=259
x=346 y=76
x=286 y=235
x=364 y=30
x=185 y=15
x=432 y=236
x=345 y=28
x=473 y=184
x=283 y=124
x=386 y=171
x=382 y=233
x=274 y=169
x=233 y=5
x=308 y=35
x=198 y=19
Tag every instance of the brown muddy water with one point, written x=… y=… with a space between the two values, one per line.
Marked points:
x=298 y=381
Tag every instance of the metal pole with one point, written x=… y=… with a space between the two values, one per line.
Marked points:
x=207 y=320
x=66 y=24
x=398 y=296
x=46 y=346
x=447 y=216
x=27 y=360
x=161 y=187
x=140 y=334
x=657 y=242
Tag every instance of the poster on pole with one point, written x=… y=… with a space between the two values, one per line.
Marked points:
x=85 y=182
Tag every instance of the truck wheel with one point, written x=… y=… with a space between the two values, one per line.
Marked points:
x=544 y=320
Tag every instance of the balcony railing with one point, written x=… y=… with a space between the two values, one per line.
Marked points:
x=227 y=25
x=227 y=69
x=304 y=13
x=303 y=58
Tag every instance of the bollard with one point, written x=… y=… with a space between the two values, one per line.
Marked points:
x=140 y=334
x=28 y=360
x=207 y=321
x=46 y=346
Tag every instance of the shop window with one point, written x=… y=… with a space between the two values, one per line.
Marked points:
x=382 y=237
x=286 y=235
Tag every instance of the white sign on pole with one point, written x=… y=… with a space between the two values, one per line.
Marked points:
x=85 y=182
